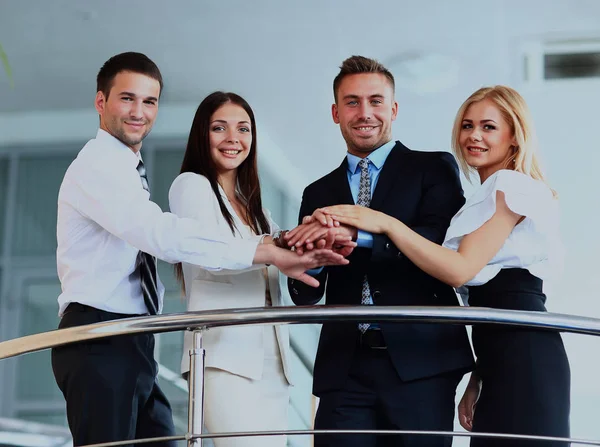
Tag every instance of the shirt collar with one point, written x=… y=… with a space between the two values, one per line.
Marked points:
x=377 y=157
x=118 y=146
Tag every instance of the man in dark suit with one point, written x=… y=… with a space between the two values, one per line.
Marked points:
x=371 y=375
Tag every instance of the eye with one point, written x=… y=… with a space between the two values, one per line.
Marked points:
x=218 y=128
x=489 y=127
x=352 y=103
x=150 y=102
x=127 y=98
x=377 y=102
x=244 y=129
x=467 y=126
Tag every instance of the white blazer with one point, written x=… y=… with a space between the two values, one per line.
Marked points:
x=237 y=349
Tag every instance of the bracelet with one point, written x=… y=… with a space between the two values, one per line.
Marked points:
x=278 y=239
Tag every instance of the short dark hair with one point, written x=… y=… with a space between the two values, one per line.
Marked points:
x=358 y=65
x=130 y=61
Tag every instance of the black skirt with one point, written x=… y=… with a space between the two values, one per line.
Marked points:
x=526 y=379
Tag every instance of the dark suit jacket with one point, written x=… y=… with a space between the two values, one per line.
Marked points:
x=423 y=190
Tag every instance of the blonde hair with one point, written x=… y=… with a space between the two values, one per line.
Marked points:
x=514 y=110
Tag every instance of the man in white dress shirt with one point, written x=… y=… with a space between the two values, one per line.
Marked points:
x=109 y=236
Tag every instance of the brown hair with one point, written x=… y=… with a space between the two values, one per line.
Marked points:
x=358 y=65
x=198 y=159
x=130 y=61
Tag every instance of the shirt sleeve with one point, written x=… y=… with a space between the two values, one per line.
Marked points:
x=191 y=196
x=109 y=192
x=524 y=196
x=364 y=239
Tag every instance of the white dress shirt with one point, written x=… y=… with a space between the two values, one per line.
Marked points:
x=105 y=217
x=534 y=244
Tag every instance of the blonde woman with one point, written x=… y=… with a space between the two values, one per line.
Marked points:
x=501 y=245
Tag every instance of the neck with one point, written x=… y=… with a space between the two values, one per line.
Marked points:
x=364 y=153
x=228 y=181
x=486 y=173
x=135 y=149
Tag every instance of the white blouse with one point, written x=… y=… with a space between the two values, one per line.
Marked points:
x=534 y=244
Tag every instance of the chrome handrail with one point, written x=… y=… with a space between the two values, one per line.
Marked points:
x=201 y=320
x=298 y=314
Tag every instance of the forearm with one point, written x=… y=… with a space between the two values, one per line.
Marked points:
x=442 y=263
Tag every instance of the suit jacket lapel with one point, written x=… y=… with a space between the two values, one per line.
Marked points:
x=392 y=170
x=341 y=186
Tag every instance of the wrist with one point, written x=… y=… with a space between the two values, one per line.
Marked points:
x=388 y=223
x=278 y=239
x=265 y=254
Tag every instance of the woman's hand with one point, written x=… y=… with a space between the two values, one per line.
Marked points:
x=359 y=217
x=466 y=407
x=295 y=266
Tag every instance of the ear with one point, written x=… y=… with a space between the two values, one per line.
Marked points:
x=334 y=114
x=394 y=110
x=100 y=102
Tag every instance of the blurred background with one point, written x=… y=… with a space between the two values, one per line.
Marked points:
x=282 y=57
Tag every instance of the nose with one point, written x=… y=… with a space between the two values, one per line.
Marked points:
x=475 y=135
x=365 y=112
x=232 y=136
x=136 y=110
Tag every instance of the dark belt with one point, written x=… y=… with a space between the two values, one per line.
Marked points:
x=372 y=339
x=78 y=307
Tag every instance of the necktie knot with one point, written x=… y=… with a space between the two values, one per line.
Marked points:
x=364 y=164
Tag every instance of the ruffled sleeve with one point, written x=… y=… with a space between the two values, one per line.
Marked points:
x=524 y=196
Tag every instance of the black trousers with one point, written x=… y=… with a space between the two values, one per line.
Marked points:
x=374 y=397
x=110 y=384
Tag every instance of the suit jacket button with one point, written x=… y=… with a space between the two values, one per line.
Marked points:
x=399 y=254
x=295 y=291
x=387 y=245
x=376 y=295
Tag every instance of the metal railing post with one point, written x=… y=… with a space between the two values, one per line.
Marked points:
x=196 y=395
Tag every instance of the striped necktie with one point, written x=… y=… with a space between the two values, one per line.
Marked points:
x=147 y=262
x=364 y=199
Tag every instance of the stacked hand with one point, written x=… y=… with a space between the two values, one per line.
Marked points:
x=336 y=227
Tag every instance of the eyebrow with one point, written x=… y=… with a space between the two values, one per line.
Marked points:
x=482 y=121
x=376 y=95
x=225 y=122
x=133 y=95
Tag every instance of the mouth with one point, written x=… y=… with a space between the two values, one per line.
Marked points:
x=476 y=149
x=230 y=152
x=135 y=125
x=365 y=130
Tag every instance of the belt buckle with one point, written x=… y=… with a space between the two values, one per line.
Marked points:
x=372 y=331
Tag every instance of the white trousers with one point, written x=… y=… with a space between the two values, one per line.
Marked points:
x=235 y=403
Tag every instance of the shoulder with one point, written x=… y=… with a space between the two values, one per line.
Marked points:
x=517 y=184
x=103 y=163
x=189 y=180
x=326 y=181
x=189 y=185
x=429 y=159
